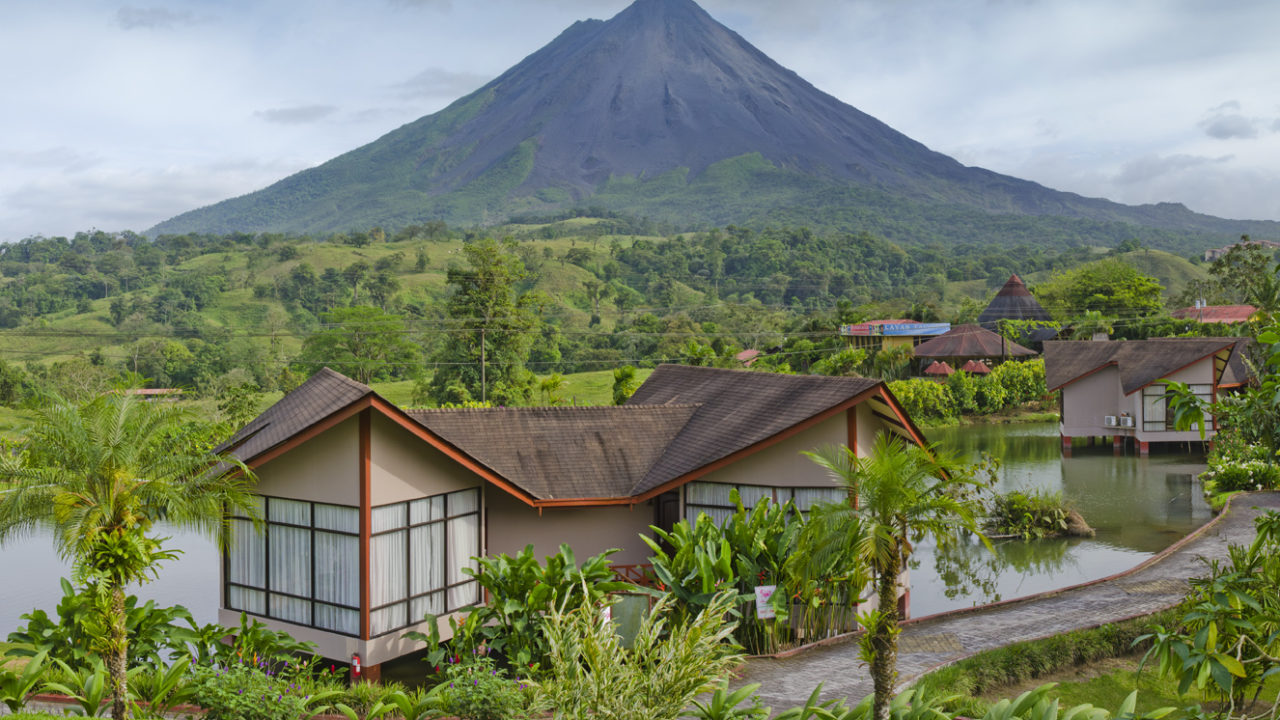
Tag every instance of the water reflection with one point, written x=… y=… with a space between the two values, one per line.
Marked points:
x=1138 y=506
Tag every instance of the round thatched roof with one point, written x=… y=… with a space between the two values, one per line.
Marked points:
x=975 y=367
x=971 y=341
x=937 y=367
x=1013 y=302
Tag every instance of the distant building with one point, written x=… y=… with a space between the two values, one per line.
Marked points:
x=1013 y=302
x=1215 y=253
x=970 y=342
x=1114 y=389
x=888 y=334
x=1216 y=313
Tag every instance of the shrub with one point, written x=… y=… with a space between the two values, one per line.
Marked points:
x=477 y=690
x=1233 y=475
x=252 y=691
x=924 y=399
x=1029 y=514
x=963 y=388
x=594 y=676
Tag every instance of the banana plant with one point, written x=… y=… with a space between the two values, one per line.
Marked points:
x=724 y=705
x=87 y=687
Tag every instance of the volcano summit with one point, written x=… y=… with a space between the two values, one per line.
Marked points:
x=664 y=112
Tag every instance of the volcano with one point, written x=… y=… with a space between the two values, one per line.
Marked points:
x=664 y=112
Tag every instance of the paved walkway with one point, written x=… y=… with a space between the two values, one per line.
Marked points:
x=1157 y=584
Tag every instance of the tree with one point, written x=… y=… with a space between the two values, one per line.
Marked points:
x=363 y=342
x=1108 y=286
x=625 y=384
x=496 y=325
x=98 y=476
x=904 y=494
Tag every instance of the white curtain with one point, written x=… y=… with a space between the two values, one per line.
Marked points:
x=426 y=547
x=389 y=517
x=751 y=495
x=247 y=555
x=290 y=609
x=464 y=501
x=708 y=494
x=387 y=577
x=251 y=601
x=337 y=619
x=464 y=543
x=717 y=515
x=426 y=510
x=290 y=560
x=294 y=512
x=433 y=603
x=388 y=618
x=338 y=517
x=806 y=498
x=337 y=568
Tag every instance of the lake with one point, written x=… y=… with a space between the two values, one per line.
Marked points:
x=1139 y=506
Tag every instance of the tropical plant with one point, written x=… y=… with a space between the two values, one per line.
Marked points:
x=98 y=476
x=625 y=384
x=153 y=633
x=905 y=493
x=370 y=701
x=89 y=687
x=1029 y=514
x=594 y=675
x=522 y=591
x=246 y=690
x=157 y=690
x=16 y=685
x=1228 y=639
x=725 y=705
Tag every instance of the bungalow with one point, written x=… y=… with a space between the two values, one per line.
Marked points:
x=890 y=334
x=372 y=512
x=1114 y=388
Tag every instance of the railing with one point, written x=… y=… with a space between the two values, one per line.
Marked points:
x=636 y=574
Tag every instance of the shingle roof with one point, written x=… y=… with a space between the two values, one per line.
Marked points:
x=323 y=394
x=1013 y=302
x=563 y=452
x=738 y=408
x=1140 y=362
x=970 y=341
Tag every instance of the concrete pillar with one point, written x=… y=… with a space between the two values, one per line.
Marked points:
x=1144 y=448
x=1117 y=444
x=371 y=673
x=904 y=604
x=1066 y=446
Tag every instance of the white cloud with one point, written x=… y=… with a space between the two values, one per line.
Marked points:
x=297 y=115
x=132 y=18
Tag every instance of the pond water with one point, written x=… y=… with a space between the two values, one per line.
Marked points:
x=1138 y=506
x=30 y=568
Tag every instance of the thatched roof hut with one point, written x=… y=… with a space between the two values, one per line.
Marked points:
x=1013 y=302
x=975 y=367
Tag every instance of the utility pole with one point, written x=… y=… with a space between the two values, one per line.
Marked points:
x=484 y=388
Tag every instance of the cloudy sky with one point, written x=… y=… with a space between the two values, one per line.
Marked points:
x=117 y=116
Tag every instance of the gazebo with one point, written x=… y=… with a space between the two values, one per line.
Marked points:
x=939 y=369
x=975 y=367
x=970 y=342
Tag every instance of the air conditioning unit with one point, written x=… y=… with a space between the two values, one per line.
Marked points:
x=1110 y=421
x=1126 y=421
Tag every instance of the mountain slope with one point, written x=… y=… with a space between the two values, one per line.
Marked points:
x=631 y=113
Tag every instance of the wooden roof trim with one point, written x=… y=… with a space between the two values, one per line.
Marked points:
x=332 y=420
x=897 y=409
x=1103 y=366
x=1200 y=359
x=398 y=416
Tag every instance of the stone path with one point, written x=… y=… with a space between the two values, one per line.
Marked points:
x=1159 y=583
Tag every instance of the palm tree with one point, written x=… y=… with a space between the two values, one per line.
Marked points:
x=97 y=476
x=904 y=494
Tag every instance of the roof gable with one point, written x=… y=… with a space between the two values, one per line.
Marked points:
x=323 y=394
x=1140 y=362
x=737 y=409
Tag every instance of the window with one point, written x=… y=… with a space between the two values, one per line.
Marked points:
x=1155 y=415
x=304 y=568
x=713 y=499
x=417 y=556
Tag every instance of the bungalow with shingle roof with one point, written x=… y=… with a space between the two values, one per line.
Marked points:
x=373 y=512
x=1116 y=388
